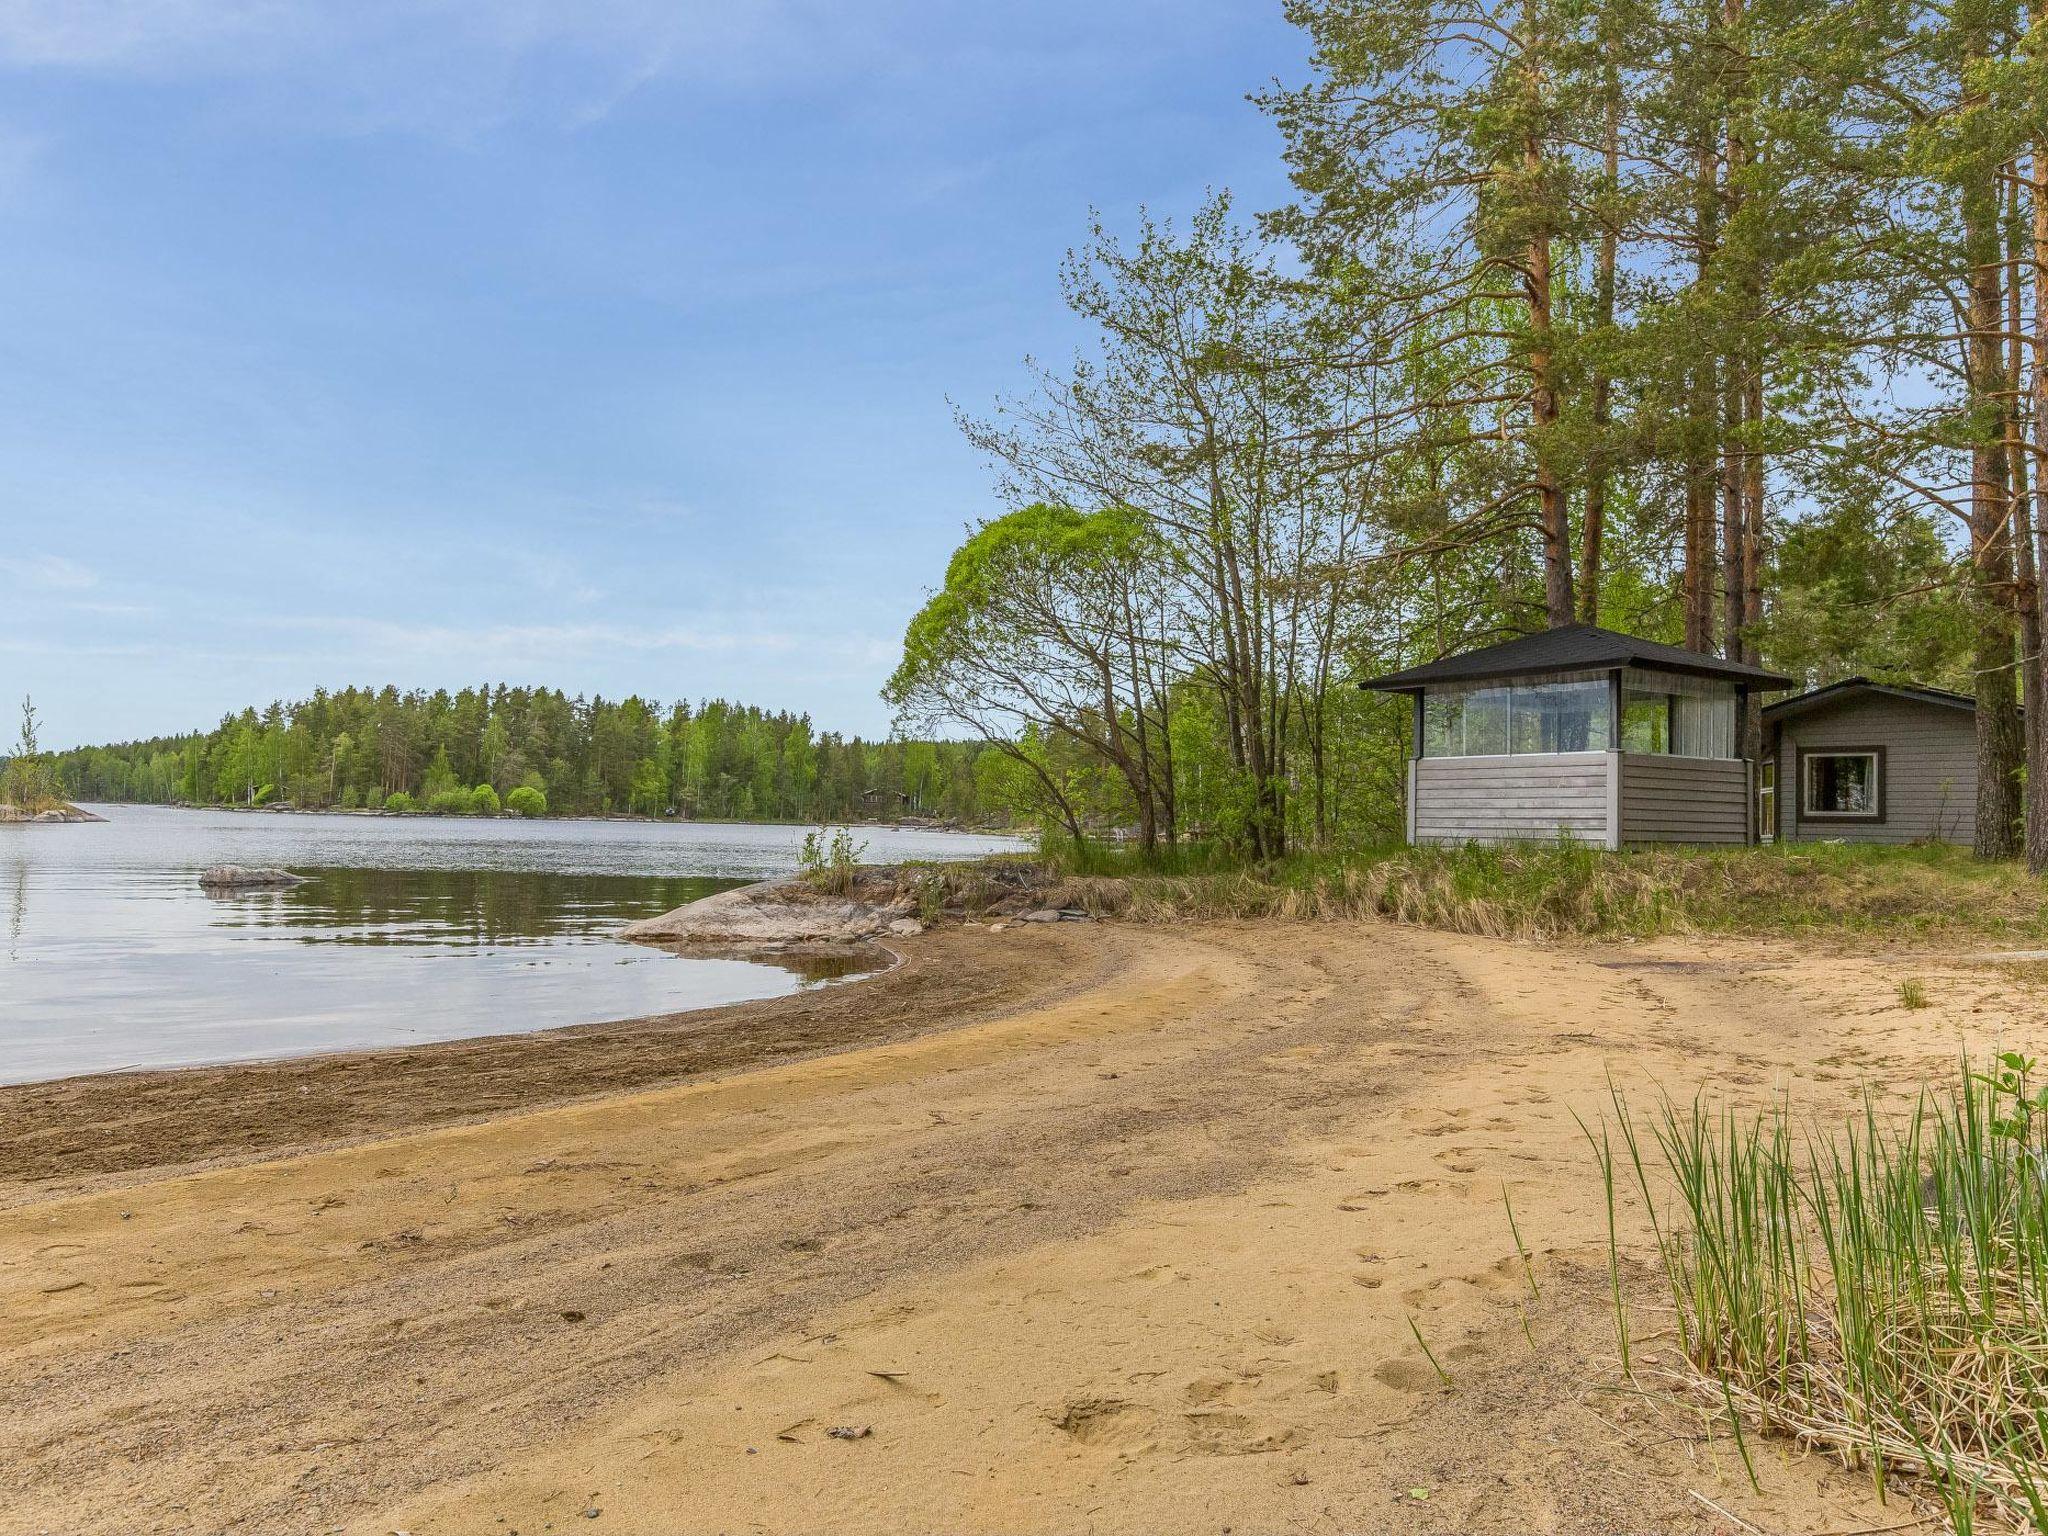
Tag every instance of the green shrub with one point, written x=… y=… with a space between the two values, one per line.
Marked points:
x=828 y=862
x=400 y=802
x=452 y=802
x=527 y=801
x=483 y=800
x=264 y=795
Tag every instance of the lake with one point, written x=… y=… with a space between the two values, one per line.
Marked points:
x=407 y=930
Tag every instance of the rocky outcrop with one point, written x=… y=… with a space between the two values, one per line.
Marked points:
x=55 y=814
x=776 y=912
x=237 y=877
x=883 y=901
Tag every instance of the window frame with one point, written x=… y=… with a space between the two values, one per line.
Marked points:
x=1874 y=817
x=1767 y=788
x=1603 y=678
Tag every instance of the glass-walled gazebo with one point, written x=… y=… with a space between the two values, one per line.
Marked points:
x=1579 y=731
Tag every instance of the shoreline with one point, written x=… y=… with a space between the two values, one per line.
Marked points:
x=379 y=813
x=201 y=1114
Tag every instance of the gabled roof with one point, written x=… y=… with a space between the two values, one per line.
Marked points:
x=1573 y=648
x=1799 y=704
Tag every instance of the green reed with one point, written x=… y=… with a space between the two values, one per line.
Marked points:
x=1879 y=1290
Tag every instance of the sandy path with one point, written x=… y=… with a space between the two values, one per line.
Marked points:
x=1138 y=1251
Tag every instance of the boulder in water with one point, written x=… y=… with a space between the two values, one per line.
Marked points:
x=238 y=877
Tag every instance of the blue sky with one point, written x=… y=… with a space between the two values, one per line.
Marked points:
x=599 y=343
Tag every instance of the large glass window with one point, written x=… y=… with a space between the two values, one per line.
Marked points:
x=1844 y=784
x=1671 y=713
x=1568 y=712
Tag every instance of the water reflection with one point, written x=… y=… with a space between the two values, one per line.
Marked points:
x=452 y=907
x=404 y=931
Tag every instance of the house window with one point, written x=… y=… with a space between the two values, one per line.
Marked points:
x=1670 y=712
x=1844 y=785
x=1564 y=712
x=1767 y=800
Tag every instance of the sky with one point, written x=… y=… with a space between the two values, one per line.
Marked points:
x=611 y=345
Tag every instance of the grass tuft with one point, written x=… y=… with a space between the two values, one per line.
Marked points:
x=1878 y=1291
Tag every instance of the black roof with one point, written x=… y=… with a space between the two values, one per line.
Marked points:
x=1572 y=648
x=1799 y=704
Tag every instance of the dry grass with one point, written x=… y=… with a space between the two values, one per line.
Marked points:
x=1547 y=891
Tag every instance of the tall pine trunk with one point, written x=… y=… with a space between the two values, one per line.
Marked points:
x=1593 y=532
x=2037 y=720
x=2000 y=749
x=2026 y=590
x=1552 y=507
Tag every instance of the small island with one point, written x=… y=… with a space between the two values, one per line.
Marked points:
x=28 y=781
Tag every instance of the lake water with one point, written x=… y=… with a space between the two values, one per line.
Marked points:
x=406 y=930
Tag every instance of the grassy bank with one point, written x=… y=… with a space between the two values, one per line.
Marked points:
x=1564 y=890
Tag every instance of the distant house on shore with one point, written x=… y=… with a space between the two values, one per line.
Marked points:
x=1871 y=763
x=1580 y=731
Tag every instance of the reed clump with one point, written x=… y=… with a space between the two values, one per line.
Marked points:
x=1877 y=1291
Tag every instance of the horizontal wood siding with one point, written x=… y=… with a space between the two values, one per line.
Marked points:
x=1683 y=799
x=1535 y=797
x=1930 y=769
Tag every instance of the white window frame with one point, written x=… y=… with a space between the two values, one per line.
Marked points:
x=1807 y=810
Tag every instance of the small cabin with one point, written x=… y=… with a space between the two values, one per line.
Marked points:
x=1581 y=732
x=1869 y=762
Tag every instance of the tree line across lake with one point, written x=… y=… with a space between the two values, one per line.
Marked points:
x=535 y=750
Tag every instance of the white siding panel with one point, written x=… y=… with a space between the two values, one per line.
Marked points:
x=1529 y=798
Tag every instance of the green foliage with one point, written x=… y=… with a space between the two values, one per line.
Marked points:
x=584 y=757
x=452 y=801
x=400 y=801
x=527 y=801
x=29 y=783
x=483 y=800
x=828 y=860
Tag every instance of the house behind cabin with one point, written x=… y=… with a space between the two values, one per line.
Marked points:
x=1871 y=763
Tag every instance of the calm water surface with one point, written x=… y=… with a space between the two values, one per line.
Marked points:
x=406 y=930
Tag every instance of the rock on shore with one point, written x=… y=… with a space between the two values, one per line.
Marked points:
x=237 y=877
x=60 y=813
x=777 y=912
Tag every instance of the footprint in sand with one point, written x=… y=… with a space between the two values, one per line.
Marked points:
x=1405 y=1375
x=1105 y=1421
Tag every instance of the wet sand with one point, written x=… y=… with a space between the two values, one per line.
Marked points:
x=1074 y=1227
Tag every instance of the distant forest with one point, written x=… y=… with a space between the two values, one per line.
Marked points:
x=537 y=749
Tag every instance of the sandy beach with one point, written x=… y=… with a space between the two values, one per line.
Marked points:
x=1080 y=1227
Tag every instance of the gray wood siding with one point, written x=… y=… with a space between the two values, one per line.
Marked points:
x=1683 y=799
x=1511 y=799
x=1930 y=768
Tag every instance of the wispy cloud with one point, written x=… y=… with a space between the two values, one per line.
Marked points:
x=49 y=572
x=453 y=67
